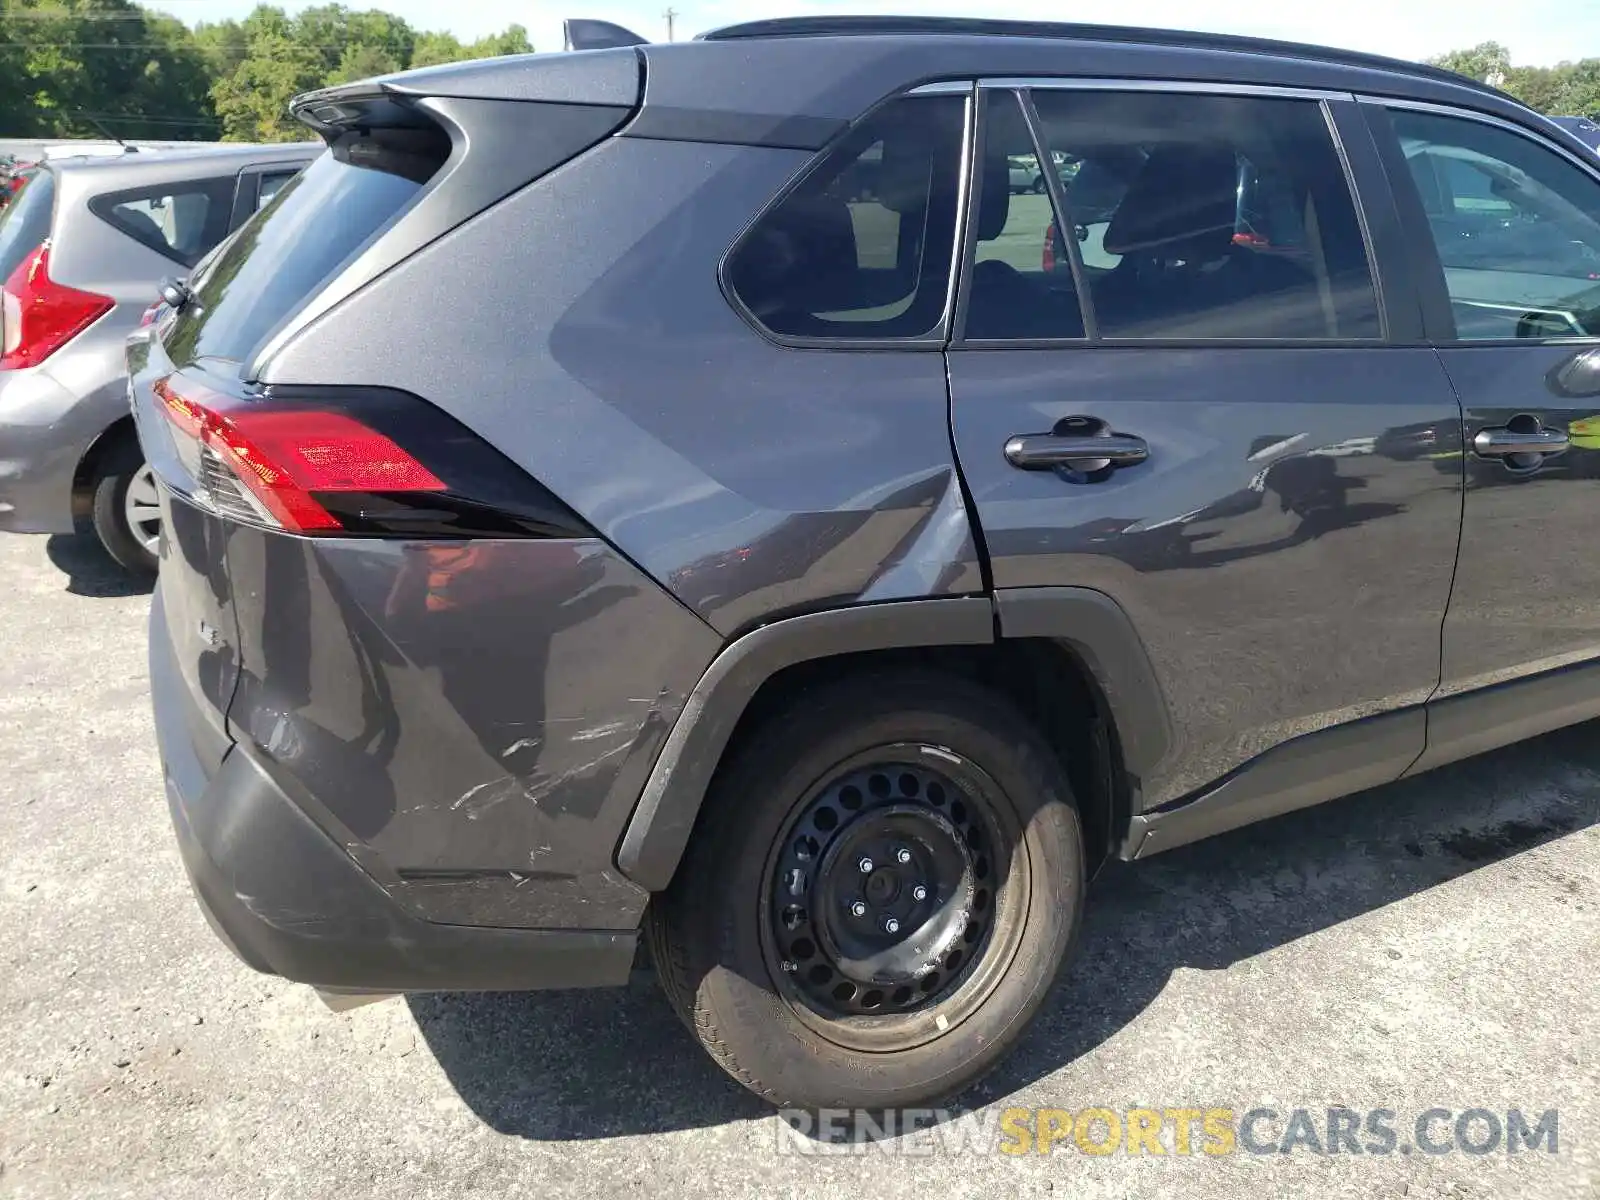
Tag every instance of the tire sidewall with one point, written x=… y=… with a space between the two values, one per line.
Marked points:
x=110 y=514
x=757 y=1025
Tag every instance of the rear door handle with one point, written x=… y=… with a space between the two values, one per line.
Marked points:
x=1047 y=451
x=1522 y=441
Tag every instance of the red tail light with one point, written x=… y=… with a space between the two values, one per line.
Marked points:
x=272 y=464
x=1049 y=262
x=38 y=315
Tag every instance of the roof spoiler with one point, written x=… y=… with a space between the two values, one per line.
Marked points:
x=582 y=34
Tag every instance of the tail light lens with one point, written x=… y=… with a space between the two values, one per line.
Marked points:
x=38 y=315
x=1049 y=258
x=274 y=463
x=336 y=461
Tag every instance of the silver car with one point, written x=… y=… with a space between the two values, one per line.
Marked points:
x=84 y=247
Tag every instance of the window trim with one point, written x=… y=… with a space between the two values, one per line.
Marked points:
x=1425 y=252
x=938 y=336
x=103 y=205
x=1099 y=83
x=1024 y=86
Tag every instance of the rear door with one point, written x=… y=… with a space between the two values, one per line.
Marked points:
x=1205 y=404
x=1507 y=229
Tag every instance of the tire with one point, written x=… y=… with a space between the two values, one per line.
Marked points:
x=1039 y=186
x=718 y=933
x=123 y=469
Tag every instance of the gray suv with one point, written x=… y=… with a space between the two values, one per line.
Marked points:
x=84 y=247
x=659 y=494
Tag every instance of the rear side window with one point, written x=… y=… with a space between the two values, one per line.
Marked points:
x=271 y=184
x=1021 y=284
x=25 y=222
x=1516 y=225
x=180 y=220
x=316 y=222
x=1195 y=217
x=862 y=248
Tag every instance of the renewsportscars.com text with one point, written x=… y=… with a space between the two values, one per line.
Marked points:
x=1177 y=1130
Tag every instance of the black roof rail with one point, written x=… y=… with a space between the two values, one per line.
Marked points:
x=780 y=27
x=581 y=33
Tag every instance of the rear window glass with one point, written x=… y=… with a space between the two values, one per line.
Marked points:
x=25 y=222
x=315 y=222
x=179 y=220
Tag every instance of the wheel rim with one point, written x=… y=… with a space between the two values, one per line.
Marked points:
x=1039 y=186
x=141 y=509
x=892 y=907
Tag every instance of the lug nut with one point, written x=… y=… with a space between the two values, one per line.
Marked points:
x=866 y=866
x=891 y=926
x=902 y=856
x=919 y=892
x=787 y=965
x=858 y=909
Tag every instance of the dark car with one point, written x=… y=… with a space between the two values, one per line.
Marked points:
x=658 y=494
x=1582 y=128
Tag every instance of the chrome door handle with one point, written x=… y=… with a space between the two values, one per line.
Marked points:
x=1523 y=437
x=1046 y=451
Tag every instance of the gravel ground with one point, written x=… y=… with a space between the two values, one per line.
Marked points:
x=1427 y=944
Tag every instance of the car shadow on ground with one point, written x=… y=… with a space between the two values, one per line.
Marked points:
x=90 y=571
x=577 y=1065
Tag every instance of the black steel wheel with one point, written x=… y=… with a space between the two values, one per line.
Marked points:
x=884 y=881
x=886 y=897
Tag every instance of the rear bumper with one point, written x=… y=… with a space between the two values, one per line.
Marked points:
x=290 y=901
x=40 y=447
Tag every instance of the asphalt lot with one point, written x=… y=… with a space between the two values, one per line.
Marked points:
x=1427 y=944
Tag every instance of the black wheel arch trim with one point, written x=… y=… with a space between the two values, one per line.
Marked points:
x=1097 y=629
x=1088 y=621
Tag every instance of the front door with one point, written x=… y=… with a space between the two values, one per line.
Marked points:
x=1182 y=393
x=1510 y=227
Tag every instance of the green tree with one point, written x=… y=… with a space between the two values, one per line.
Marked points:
x=362 y=61
x=513 y=41
x=1486 y=62
x=224 y=45
x=253 y=102
x=78 y=67
x=433 y=49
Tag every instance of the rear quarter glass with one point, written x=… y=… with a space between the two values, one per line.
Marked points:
x=316 y=222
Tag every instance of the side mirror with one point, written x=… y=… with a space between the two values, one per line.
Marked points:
x=1577 y=376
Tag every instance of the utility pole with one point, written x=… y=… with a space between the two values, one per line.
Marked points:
x=671 y=15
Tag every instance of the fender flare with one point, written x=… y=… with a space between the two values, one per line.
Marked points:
x=1088 y=621
x=665 y=815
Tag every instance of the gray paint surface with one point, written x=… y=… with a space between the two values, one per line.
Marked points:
x=748 y=479
x=1286 y=552
x=1400 y=949
x=478 y=718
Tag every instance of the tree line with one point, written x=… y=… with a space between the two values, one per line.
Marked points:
x=1566 y=89
x=88 y=68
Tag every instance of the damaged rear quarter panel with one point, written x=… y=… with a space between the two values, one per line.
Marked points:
x=473 y=720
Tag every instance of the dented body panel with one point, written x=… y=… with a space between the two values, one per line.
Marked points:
x=476 y=718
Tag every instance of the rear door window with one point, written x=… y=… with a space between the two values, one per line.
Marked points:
x=25 y=222
x=1204 y=217
x=1516 y=226
x=179 y=220
x=318 y=220
x=862 y=248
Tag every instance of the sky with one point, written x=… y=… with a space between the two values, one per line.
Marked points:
x=1412 y=29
